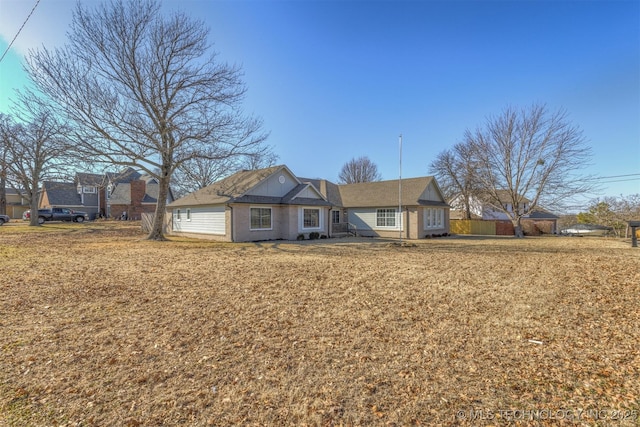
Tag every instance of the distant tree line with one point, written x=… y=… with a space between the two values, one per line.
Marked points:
x=612 y=212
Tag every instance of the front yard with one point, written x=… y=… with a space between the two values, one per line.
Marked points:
x=100 y=327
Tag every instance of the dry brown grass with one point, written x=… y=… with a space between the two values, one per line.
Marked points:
x=100 y=327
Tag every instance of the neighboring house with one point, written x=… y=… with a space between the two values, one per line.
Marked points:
x=492 y=212
x=16 y=203
x=107 y=195
x=134 y=198
x=458 y=208
x=273 y=203
x=89 y=187
x=112 y=181
x=64 y=195
x=539 y=218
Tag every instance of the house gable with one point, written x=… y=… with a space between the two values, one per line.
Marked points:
x=278 y=184
x=304 y=193
x=432 y=193
x=308 y=192
x=59 y=194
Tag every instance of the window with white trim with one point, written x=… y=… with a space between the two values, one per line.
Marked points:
x=386 y=217
x=335 y=217
x=88 y=189
x=178 y=215
x=188 y=214
x=311 y=218
x=261 y=219
x=433 y=218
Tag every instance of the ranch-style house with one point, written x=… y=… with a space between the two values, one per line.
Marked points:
x=274 y=204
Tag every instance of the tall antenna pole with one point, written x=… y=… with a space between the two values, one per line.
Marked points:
x=400 y=190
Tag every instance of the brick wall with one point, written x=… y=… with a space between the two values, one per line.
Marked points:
x=136 y=208
x=138 y=188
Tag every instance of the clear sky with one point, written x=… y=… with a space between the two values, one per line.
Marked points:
x=334 y=80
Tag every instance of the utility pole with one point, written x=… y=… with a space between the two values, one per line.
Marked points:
x=400 y=191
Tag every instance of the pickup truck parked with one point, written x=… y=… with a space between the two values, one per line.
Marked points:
x=4 y=218
x=61 y=214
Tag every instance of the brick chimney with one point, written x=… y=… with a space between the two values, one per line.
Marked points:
x=138 y=190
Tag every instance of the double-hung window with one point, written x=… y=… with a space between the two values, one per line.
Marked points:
x=386 y=218
x=261 y=218
x=311 y=218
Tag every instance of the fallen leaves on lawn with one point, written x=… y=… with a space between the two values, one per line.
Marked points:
x=100 y=327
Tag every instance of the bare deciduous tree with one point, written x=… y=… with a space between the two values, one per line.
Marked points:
x=454 y=172
x=3 y=172
x=35 y=148
x=201 y=172
x=142 y=89
x=359 y=170
x=529 y=153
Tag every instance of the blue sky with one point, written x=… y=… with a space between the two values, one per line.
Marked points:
x=334 y=80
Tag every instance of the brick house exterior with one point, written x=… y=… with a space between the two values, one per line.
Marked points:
x=107 y=195
x=134 y=198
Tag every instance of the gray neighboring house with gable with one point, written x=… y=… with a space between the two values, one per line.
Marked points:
x=107 y=195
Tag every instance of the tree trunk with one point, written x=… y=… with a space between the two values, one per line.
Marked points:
x=467 y=207
x=157 y=228
x=517 y=227
x=3 y=193
x=34 y=209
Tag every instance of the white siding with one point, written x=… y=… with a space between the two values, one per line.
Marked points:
x=207 y=220
x=367 y=219
x=491 y=214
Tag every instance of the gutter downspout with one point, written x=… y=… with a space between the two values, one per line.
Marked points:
x=233 y=231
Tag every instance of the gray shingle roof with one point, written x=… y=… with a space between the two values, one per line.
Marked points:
x=61 y=193
x=233 y=188
x=19 y=192
x=540 y=213
x=125 y=176
x=90 y=179
x=385 y=193
x=225 y=190
x=370 y=194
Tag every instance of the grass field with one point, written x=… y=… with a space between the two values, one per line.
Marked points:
x=101 y=327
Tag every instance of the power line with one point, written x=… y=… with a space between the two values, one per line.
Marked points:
x=16 y=36
x=617 y=176
x=621 y=180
